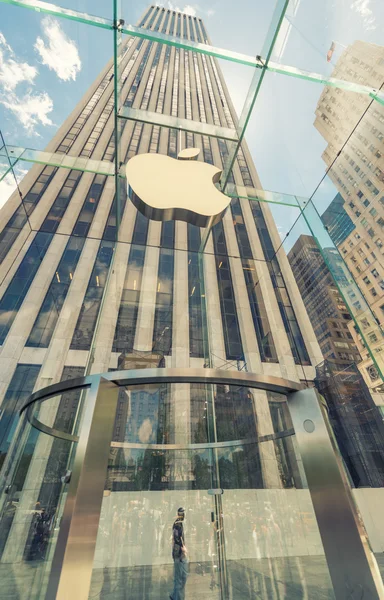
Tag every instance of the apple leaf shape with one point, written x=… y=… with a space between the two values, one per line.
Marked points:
x=165 y=189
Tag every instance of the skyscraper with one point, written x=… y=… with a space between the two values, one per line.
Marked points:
x=63 y=306
x=358 y=174
x=326 y=309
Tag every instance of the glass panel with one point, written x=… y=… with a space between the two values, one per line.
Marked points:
x=176 y=122
x=305 y=42
x=241 y=489
x=32 y=507
x=58 y=160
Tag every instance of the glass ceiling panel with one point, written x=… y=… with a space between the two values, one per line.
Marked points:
x=314 y=35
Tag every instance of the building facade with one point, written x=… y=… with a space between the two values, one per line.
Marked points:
x=326 y=309
x=358 y=174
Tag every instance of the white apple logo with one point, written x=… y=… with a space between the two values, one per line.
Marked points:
x=165 y=188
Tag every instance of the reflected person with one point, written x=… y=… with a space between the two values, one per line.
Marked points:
x=179 y=555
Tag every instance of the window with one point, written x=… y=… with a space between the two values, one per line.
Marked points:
x=83 y=333
x=366 y=280
x=371 y=232
x=20 y=387
x=373 y=212
x=373 y=292
x=375 y=273
x=49 y=313
x=379 y=243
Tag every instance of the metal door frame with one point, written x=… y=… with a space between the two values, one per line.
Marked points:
x=351 y=564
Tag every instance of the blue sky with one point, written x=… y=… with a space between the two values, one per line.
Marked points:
x=46 y=65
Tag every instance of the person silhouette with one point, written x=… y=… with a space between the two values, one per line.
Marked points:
x=179 y=555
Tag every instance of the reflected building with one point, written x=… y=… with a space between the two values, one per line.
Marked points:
x=358 y=174
x=337 y=221
x=325 y=306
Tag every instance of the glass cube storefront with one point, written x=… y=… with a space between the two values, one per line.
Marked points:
x=228 y=328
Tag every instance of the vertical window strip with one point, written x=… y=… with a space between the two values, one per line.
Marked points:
x=124 y=337
x=196 y=346
x=45 y=323
x=136 y=82
x=191 y=30
x=21 y=281
x=292 y=329
x=172 y=140
x=86 y=322
x=155 y=134
x=20 y=387
x=165 y=22
x=162 y=329
x=207 y=150
x=129 y=305
x=259 y=315
x=231 y=329
x=90 y=204
x=188 y=98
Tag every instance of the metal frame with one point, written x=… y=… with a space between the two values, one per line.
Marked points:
x=351 y=564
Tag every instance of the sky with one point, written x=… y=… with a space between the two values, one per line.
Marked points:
x=47 y=64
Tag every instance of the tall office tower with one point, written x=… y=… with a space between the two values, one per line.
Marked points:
x=358 y=174
x=73 y=300
x=326 y=309
x=337 y=221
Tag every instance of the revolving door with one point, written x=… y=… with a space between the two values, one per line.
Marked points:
x=102 y=463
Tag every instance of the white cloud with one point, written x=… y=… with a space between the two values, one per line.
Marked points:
x=13 y=71
x=189 y=9
x=362 y=8
x=30 y=109
x=8 y=185
x=59 y=53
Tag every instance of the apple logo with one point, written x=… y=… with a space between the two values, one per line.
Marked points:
x=182 y=189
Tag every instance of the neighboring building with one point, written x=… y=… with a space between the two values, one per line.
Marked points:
x=337 y=221
x=358 y=174
x=326 y=309
x=358 y=428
